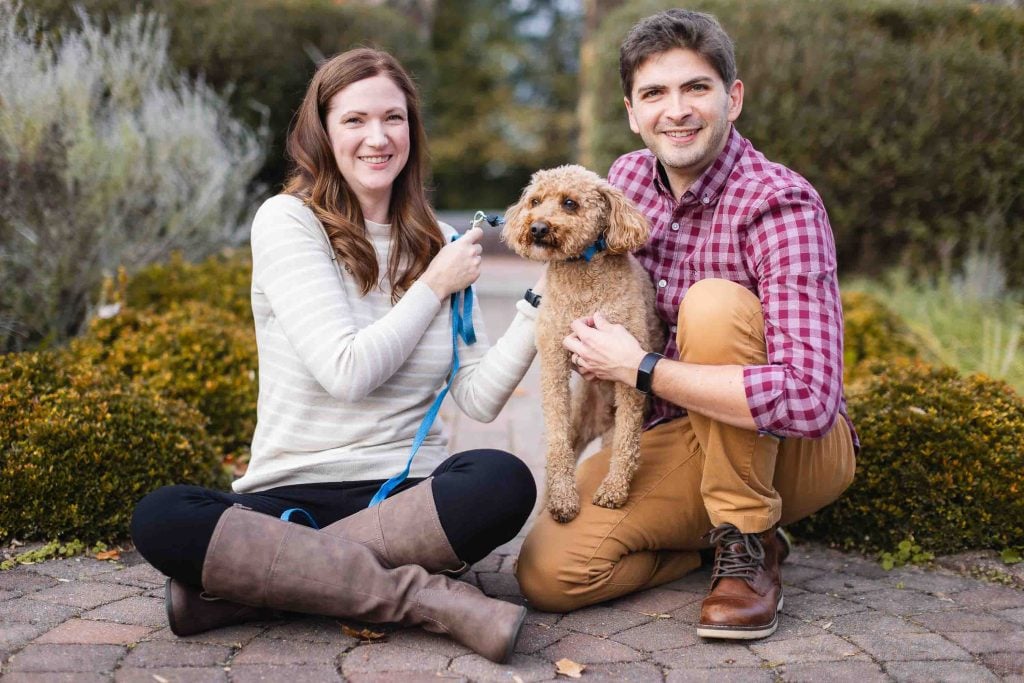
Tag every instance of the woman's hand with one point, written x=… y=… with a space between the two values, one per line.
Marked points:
x=456 y=266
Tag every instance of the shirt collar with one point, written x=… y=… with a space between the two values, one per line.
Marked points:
x=711 y=182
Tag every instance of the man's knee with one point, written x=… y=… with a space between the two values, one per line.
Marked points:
x=541 y=572
x=720 y=322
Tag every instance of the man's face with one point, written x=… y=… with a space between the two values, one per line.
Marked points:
x=682 y=110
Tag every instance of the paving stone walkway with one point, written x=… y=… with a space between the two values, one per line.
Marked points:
x=845 y=619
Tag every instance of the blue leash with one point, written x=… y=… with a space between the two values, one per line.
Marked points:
x=462 y=326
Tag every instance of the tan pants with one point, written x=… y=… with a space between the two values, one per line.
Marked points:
x=694 y=474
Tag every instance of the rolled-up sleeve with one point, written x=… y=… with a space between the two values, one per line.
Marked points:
x=790 y=247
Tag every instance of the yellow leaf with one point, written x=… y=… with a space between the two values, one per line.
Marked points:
x=109 y=555
x=657 y=615
x=362 y=634
x=567 y=667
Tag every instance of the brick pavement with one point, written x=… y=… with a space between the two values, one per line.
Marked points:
x=845 y=619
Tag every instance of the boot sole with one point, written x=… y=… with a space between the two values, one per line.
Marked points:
x=169 y=608
x=741 y=632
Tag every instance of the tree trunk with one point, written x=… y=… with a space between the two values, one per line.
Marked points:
x=594 y=12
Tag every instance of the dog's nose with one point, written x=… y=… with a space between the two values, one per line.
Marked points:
x=539 y=229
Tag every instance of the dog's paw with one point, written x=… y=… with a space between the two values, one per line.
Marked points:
x=610 y=495
x=563 y=498
x=564 y=509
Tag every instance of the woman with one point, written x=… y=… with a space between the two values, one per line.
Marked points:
x=351 y=280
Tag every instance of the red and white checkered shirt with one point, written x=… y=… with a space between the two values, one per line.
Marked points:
x=759 y=224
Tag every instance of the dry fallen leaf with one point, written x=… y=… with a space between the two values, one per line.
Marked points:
x=827 y=624
x=160 y=679
x=567 y=667
x=362 y=634
x=109 y=555
x=657 y=615
x=517 y=679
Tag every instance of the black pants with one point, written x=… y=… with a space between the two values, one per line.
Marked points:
x=483 y=498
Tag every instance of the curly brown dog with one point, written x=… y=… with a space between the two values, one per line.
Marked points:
x=585 y=228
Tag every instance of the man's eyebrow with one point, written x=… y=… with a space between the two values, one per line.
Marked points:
x=647 y=88
x=698 y=79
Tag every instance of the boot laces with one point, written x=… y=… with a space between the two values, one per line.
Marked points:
x=739 y=555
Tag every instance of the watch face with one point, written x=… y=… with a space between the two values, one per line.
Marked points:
x=644 y=374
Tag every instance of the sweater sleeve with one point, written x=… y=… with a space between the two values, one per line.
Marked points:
x=293 y=266
x=488 y=374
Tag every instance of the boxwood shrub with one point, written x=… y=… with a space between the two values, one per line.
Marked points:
x=193 y=352
x=942 y=461
x=872 y=332
x=78 y=448
x=221 y=281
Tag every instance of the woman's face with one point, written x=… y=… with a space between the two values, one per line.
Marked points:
x=368 y=126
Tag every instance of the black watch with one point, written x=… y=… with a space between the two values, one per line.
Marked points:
x=645 y=373
x=531 y=298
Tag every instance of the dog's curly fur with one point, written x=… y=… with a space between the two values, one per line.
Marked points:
x=560 y=213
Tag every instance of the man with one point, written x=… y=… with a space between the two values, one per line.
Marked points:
x=749 y=426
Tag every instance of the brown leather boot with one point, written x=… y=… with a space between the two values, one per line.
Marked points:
x=746 y=587
x=191 y=611
x=403 y=529
x=262 y=561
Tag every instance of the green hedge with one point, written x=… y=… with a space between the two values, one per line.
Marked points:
x=905 y=116
x=942 y=461
x=222 y=281
x=193 y=352
x=79 y=448
x=872 y=332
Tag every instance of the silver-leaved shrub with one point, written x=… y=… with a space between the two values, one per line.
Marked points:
x=107 y=158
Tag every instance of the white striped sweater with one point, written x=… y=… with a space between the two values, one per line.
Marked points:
x=345 y=379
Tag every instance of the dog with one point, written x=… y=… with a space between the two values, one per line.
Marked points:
x=584 y=228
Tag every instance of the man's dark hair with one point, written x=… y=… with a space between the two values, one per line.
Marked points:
x=674 y=28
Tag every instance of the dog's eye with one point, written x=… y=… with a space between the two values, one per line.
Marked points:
x=534 y=202
x=569 y=205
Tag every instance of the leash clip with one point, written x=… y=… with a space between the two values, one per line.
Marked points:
x=493 y=220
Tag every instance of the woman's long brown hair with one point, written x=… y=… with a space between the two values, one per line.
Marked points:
x=415 y=235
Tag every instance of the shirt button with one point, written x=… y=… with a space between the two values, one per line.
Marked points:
x=663 y=282
x=705 y=199
x=675 y=226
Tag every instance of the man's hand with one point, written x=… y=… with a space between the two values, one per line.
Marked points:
x=602 y=350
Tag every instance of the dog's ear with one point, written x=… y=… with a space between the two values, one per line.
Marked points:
x=628 y=229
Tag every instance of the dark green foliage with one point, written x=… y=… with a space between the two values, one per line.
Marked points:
x=872 y=332
x=223 y=281
x=942 y=462
x=905 y=116
x=192 y=352
x=78 y=448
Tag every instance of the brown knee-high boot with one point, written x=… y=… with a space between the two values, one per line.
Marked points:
x=191 y=611
x=261 y=561
x=403 y=529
